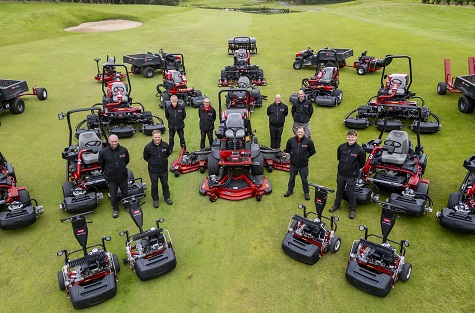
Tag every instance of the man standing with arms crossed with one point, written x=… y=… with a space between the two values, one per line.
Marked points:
x=302 y=111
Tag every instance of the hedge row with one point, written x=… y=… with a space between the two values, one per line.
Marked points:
x=450 y=2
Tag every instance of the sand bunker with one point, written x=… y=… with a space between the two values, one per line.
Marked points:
x=103 y=26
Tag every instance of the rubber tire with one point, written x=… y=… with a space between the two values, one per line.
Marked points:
x=176 y=173
x=68 y=187
x=360 y=70
x=148 y=72
x=115 y=259
x=130 y=175
x=422 y=188
x=406 y=272
x=198 y=93
x=258 y=169
x=335 y=244
x=202 y=169
x=465 y=104
x=454 y=199
x=270 y=168
x=297 y=65
x=17 y=106
x=213 y=166
x=24 y=196
x=338 y=94
x=41 y=94
x=442 y=88
x=62 y=285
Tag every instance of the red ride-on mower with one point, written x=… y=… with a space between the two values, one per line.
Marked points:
x=16 y=208
x=376 y=268
x=175 y=83
x=448 y=84
x=459 y=215
x=244 y=95
x=109 y=73
x=190 y=161
x=366 y=64
x=242 y=67
x=150 y=253
x=275 y=159
x=235 y=164
x=394 y=102
x=307 y=239
x=120 y=113
x=92 y=278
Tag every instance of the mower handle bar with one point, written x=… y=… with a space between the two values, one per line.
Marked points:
x=321 y=187
x=76 y=216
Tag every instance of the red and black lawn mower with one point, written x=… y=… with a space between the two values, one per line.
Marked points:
x=148 y=63
x=323 y=57
x=150 y=253
x=459 y=215
x=247 y=43
x=235 y=164
x=242 y=67
x=17 y=209
x=275 y=159
x=308 y=239
x=190 y=161
x=394 y=102
x=109 y=72
x=244 y=95
x=176 y=83
x=373 y=267
x=366 y=64
x=92 y=278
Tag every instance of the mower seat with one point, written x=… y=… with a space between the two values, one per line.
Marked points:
x=84 y=138
x=399 y=155
x=117 y=88
x=401 y=89
x=243 y=82
x=177 y=78
x=327 y=76
x=234 y=126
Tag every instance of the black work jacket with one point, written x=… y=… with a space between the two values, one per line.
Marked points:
x=277 y=114
x=300 y=150
x=114 y=163
x=302 y=111
x=207 y=118
x=350 y=159
x=175 y=116
x=157 y=157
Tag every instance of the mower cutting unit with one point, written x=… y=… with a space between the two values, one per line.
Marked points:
x=307 y=239
x=376 y=268
x=190 y=161
x=109 y=72
x=235 y=164
x=150 y=253
x=275 y=159
x=16 y=208
x=246 y=43
x=92 y=278
x=394 y=102
x=448 y=84
x=11 y=92
x=119 y=113
x=175 y=83
x=324 y=57
x=459 y=215
x=148 y=63
x=242 y=68
x=366 y=64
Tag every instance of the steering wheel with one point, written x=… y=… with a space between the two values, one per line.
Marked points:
x=392 y=143
x=93 y=143
x=305 y=82
x=397 y=81
x=118 y=89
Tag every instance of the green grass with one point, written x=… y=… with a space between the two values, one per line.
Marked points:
x=229 y=254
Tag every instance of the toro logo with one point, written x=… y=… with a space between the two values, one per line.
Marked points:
x=387 y=220
x=80 y=231
x=318 y=200
x=137 y=212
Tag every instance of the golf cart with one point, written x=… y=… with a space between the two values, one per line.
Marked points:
x=366 y=64
x=324 y=57
x=307 y=239
x=148 y=63
x=109 y=72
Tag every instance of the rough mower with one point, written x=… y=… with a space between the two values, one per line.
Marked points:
x=150 y=253
x=17 y=209
x=459 y=215
x=247 y=43
x=374 y=267
x=366 y=64
x=148 y=63
x=324 y=57
x=242 y=67
x=11 y=92
x=92 y=278
x=275 y=159
x=394 y=102
x=109 y=71
x=175 y=83
x=307 y=239
x=235 y=164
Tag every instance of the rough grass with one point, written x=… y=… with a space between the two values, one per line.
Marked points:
x=229 y=255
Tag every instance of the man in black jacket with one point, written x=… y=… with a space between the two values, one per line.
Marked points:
x=175 y=114
x=302 y=111
x=351 y=157
x=156 y=154
x=113 y=161
x=277 y=112
x=207 y=115
x=301 y=149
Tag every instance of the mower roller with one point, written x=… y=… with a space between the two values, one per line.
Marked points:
x=307 y=239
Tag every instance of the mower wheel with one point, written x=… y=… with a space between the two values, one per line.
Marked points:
x=68 y=188
x=24 y=197
x=213 y=165
x=335 y=244
x=406 y=272
x=258 y=169
x=17 y=106
x=465 y=104
x=360 y=70
x=116 y=262
x=41 y=93
x=202 y=169
x=198 y=93
x=148 y=72
x=422 y=189
x=270 y=168
x=297 y=65
x=338 y=94
x=454 y=199
x=62 y=285
x=258 y=198
x=176 y=172
x=213 y=198
x=442 y=88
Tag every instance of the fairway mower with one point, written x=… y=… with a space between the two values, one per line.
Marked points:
x=92 y=278
x=366 y=64
x=150 y=253
x=109 y=73
x=190 y=161
x=148 y=63
x=242 y=67
x=175 y=83
x=119 y=113
x=17 y=209
x=374 y=267
x=11 y=92
x=235 y=164
x=244 y=95
x=246 y=43
x=324 y=57
x=459 y=215
x=394 y=102
x=307 y=239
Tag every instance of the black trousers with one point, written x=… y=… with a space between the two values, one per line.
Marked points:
x=163 y=181
x=275 y=136
x=205 y=133
x=303 y=171
x=171 y=138
x=113 y=190
x=350 y=184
